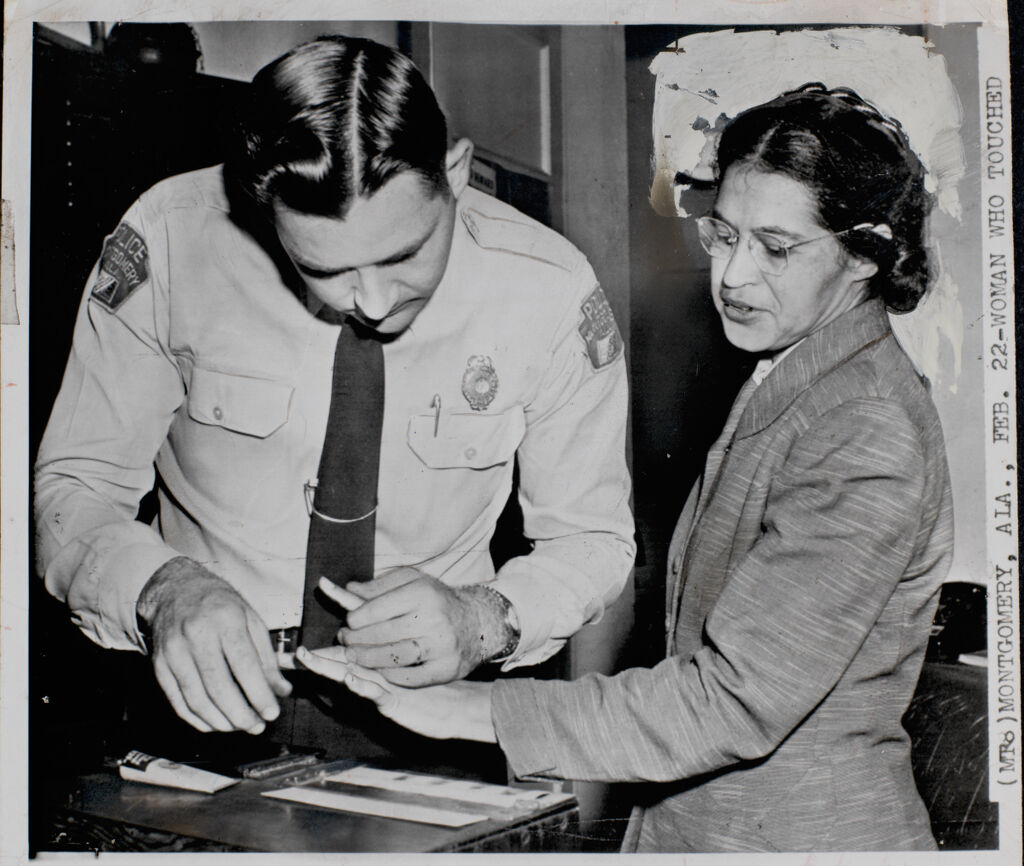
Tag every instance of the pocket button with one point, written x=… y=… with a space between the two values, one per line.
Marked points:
x=218 y=413
x=470 y=453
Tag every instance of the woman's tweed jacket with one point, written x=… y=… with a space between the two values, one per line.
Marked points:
x=803 y=578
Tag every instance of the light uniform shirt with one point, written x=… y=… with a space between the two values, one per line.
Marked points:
x=190 y=352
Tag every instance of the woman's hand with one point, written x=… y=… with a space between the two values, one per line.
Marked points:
x=457 y=710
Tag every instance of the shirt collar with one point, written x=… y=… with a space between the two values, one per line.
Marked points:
x=766 y=365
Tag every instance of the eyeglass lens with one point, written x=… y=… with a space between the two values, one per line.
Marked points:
x=719 y=240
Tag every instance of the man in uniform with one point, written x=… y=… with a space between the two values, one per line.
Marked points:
x=333 y=352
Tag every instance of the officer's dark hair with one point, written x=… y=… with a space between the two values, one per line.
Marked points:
x=333 y=120
x=860 y=168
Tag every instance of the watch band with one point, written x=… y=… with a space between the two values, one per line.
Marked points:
x=511 y=622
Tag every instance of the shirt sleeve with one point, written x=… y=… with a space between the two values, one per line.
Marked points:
x=574 y=484
x=120 y=391
x=839 y=531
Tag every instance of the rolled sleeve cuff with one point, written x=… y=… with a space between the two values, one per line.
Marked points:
x=536 y=620
x=111 y=570
x=556 y=591
x=523 y=730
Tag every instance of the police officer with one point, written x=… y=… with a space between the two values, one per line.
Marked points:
x=207 y=348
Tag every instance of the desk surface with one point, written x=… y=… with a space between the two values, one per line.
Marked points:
x=240 y=818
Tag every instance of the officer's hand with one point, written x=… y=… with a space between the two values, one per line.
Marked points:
x=415 y=630
x=211 y=651
x=456 y=710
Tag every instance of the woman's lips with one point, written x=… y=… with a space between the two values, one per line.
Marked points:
x=737 y=311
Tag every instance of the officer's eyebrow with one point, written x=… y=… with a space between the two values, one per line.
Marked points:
x=318 y=273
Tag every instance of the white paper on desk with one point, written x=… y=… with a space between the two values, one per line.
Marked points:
x=454 y=789
x=168 y=774
x=378 y=808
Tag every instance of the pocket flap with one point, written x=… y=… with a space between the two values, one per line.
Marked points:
x=467 y=441
x=244 y=404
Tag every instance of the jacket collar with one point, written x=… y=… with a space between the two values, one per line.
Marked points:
x=819 y=354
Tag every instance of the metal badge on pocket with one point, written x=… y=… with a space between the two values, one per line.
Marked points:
x=479 y=382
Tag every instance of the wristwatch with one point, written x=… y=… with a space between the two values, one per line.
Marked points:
x=510 y=620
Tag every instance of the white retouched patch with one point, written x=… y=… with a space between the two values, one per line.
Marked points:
x=705 y=79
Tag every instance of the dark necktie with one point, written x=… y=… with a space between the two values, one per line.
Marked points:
x=342 y=518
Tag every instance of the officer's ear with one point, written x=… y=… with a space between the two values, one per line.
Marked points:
x=457 y=164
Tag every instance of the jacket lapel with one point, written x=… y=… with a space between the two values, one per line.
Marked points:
x=819 y=354
x=717 y=452
x=757 y=406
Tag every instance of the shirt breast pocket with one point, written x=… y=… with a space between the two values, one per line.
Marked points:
x=242 y=404
x=467 y=441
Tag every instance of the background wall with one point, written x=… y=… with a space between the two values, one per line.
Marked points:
x=958 y=390
x=239 y=49
x=684 y=373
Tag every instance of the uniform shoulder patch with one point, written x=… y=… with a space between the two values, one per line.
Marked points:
x=522 y=238
x=599 y=331
x=124 y=266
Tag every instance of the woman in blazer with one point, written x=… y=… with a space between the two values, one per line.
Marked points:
x=804 y=571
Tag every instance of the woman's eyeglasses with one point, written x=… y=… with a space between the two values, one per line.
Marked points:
x=769 y=252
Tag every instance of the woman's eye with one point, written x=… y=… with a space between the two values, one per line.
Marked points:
x=772 y=246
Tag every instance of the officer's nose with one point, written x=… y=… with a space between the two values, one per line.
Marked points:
x=366 y=319
x=373 y=296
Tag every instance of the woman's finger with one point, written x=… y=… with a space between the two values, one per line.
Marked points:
x=364 y=688
x=336 y=653
x=331 y=666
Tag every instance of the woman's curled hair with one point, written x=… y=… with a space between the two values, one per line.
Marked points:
x=861 y=169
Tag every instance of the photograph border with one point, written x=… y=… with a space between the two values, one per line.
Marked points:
x=1002 y=479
